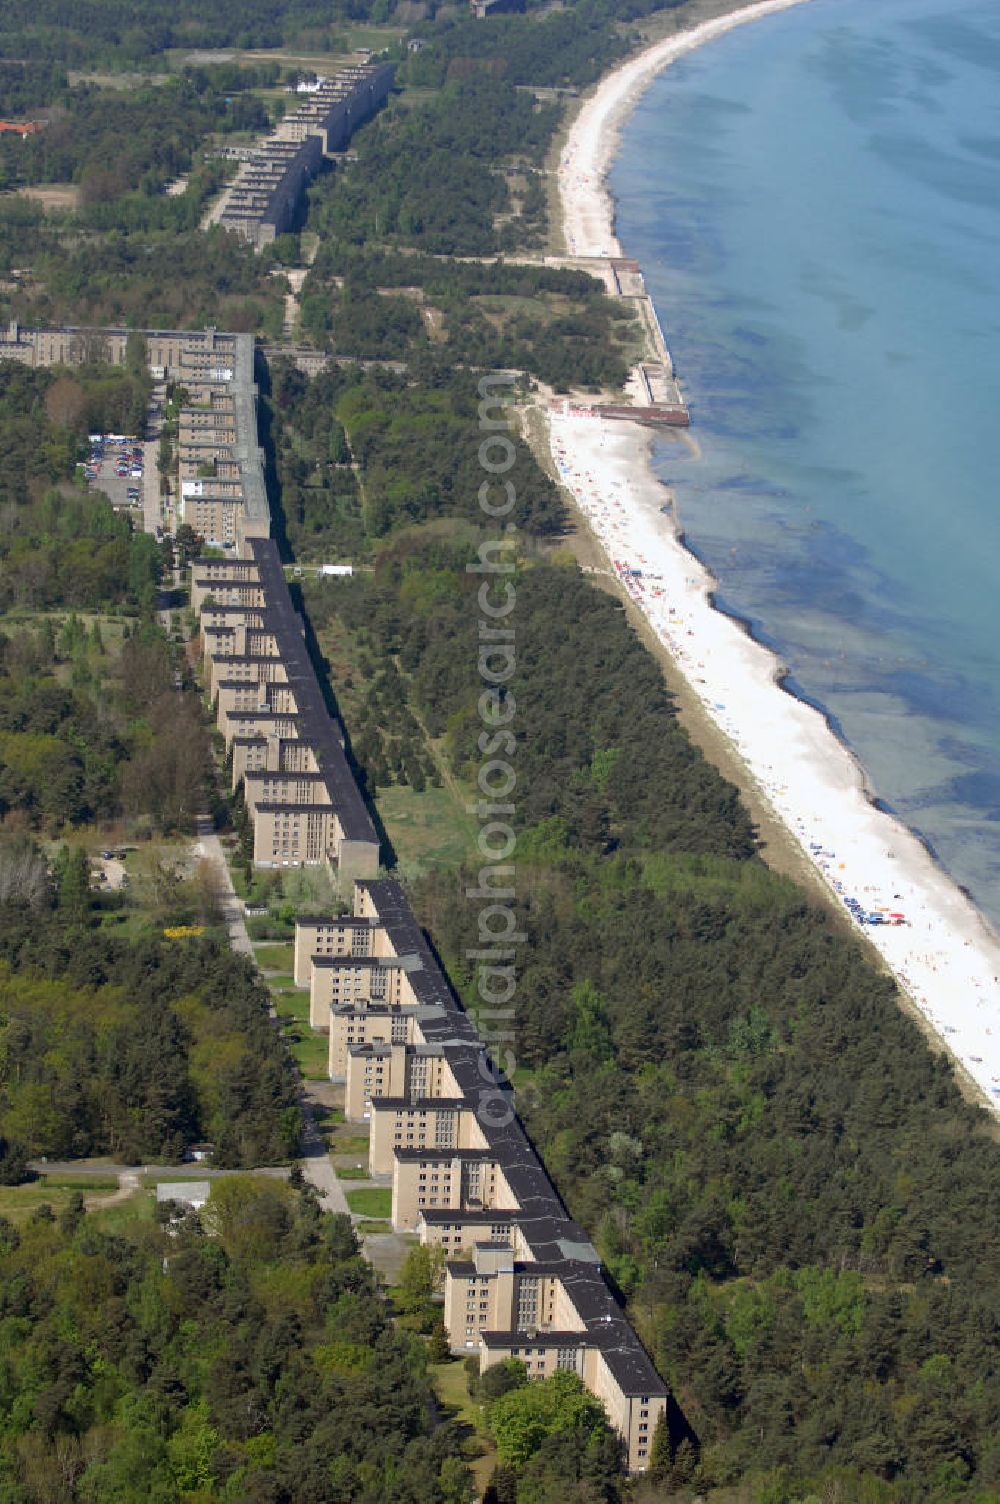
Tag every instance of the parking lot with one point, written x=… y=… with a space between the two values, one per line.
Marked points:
x=116 y=466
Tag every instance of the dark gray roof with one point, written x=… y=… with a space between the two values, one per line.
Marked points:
x=345 y=921
x=417 y=1104
x=273 y=806
x=312 y=720
x=435 y=1151
x=367 y=963
x=434 y=1215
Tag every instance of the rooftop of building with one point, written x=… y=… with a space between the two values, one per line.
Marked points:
x=407 y=963
x=313 y=721
x=418 y=1104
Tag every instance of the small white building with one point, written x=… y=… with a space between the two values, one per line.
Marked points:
x=190 y=1193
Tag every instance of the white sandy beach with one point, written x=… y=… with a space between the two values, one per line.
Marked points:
x=943 y=955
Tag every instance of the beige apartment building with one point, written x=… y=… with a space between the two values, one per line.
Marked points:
x=359 y=981
x=269 y=753
x=168 y=351
x=287 y=754
x=336 y=935
x=460 y=1183
x=394 y=1068
x=250 y=668
x=420 y=1123
x=221 y=464
x=522 y=1280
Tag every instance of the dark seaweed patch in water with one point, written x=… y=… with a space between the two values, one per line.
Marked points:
x=942 y=696
x=962 y=752
x=977 y=792
x=980 y=790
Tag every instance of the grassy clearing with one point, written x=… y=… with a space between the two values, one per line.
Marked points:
x=351 y=1172
x=292 y=1007
x=279 y=958
x=372 y=1202
x=97 y=1181
x=345 y=1143
x=452 y=1389
x=427 y=830
x=137 y=1208
x=17 y=1202
x=373 y=1227
x=311 y=1052
x=284 y=984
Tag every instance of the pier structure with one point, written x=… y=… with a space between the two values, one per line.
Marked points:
x=657 y=397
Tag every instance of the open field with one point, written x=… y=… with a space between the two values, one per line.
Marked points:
x=136 y=1208
x=346 y=1140
x=346 y=41
x=17 y=1202
x=54 y=198
x=371 y=1202
x=311 y=1052
x=283 y=981
x=291 y=1003
x=429 y=829
x=280 y=958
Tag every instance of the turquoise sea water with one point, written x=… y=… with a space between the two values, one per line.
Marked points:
x=815 y=201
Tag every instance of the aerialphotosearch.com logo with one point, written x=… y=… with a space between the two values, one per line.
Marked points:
x=498 y=934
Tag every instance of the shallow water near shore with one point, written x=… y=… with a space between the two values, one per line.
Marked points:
x=815 y=202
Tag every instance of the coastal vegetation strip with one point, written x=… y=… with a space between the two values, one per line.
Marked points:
x=868 y=1354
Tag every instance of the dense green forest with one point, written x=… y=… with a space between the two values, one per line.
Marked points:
x=556 y=325
x=429 y=175
x=166 y=280
x=563 y=48
x=90 y=732
x=408 y=442
x=781 y=1176
x=92 y=721
x=113 y=143
x=255 y=1365
x=126 y=32
x=136 y=1048
x=602 y=763
x=26 y=88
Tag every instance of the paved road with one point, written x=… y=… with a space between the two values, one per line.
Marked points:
x=190 y=1170
x=209 y=847
x=316 y=1164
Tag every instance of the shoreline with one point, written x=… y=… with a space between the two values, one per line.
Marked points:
x=943 y=955
x=592 y=141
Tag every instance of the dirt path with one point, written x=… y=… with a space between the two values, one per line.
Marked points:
x=439 y=762
x=128 y=1185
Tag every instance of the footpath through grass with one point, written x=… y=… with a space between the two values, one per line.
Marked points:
x=452 y=1389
